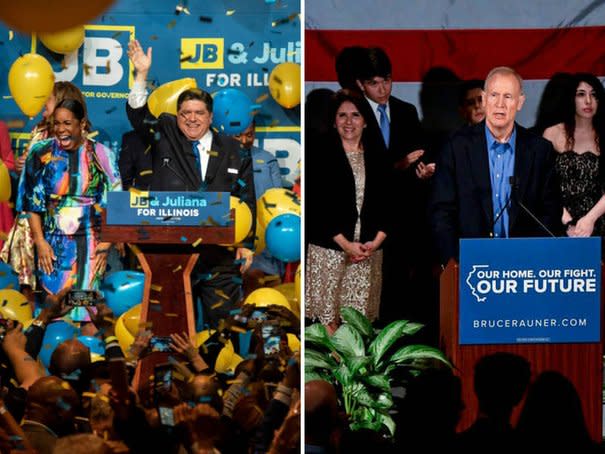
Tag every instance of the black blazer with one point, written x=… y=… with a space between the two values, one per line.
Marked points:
x=133 y=161
x=461 y=202
x=175 y=167
x=330 y=206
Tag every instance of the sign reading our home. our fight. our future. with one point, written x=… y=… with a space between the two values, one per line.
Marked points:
x=220 y=45
x=530 y=290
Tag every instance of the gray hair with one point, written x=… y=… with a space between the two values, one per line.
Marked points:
x=506 y=71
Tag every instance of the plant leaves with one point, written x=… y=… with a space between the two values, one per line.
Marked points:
x=317 y=334
x=343 y=375
x=413 y=352
x=378 y=381
x=356 y=363
x=384 y=401
x=385 y=339
x=314 y=374
x=357 y=320
x=314 y=358
x=412 y=328
x=387 y=421
x=372 y=425
x=348 y=342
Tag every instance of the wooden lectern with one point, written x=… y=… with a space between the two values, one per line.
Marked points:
x=581 y=363
x=167 y=305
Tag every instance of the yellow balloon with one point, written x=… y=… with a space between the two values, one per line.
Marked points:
x=125 y=339
x=163 y=99
x=5 y=183
x=30 y=81
x=64 y=41
x=259 y=237
x=15 y=306
x=44 y=16
x=243 y=219
x=226 y=361
x=293 y=342
x=276 y=201
x=297 y=282
x=288 y=289
x=262 y=297
x=203 y=336
x=132 y=318
x=284 y=84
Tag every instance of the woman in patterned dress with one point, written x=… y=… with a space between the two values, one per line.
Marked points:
x=346 y=216
x=579 y=161
x=64 y=187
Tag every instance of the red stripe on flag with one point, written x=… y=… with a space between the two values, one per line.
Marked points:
x=534 y=53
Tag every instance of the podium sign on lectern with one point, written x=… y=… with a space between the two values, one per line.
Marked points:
x=169 y=229
x=523 y=290
x=515 y=296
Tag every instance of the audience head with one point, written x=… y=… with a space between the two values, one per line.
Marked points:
x=374 y=76
x=470 y=102
x=247 y=136
x=68 y=358
x=52 y=402
x=63 y=90
x=194 y=113
x=504 y=97
x=81 y=444
x=321 y=412
x=500 y=381
x=347 y=66
x=203 y=389
x=552 y=414
x=317 y=106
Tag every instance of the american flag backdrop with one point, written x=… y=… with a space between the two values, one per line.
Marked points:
x=536 y=37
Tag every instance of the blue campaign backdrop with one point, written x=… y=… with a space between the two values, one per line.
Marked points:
x=530 y=290
x=222 y=44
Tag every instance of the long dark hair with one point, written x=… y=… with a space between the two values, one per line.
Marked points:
x=598 y=121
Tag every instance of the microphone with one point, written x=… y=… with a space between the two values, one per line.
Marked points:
x=514 y=184
x=166 y=163
x=500 y=213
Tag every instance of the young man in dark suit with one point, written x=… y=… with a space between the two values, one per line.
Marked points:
x=395 y=130
x=485 y=169
x=188 y=156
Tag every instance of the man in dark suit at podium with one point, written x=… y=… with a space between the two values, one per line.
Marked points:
x=495 y=179
x=188 y=156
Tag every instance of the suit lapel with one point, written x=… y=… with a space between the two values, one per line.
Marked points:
x=479 y=166
x=215 y=158
x=185 y=159
x=524 y=158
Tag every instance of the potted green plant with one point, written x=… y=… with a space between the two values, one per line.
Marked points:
x=360 y=361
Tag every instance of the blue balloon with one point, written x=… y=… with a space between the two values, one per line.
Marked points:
x=94 y=344
x=56 y=333
x=8 y=278
x=122 y=290
x=232 y=111
x=282 y=237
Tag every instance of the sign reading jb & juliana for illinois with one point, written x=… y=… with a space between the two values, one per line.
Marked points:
x=168 y=208
x=530 y=290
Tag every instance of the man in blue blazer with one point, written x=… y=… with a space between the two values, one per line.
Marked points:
x=486 y=174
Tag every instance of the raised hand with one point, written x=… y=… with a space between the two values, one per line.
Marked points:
x=140 y=59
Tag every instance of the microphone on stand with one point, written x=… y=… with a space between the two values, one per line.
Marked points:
x=166 y=163
x=514 y=184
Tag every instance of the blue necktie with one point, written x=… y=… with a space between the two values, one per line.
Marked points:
x=385 y=127
x=196 y=153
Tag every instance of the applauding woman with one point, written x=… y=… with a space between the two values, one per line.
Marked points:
x=347 y=216
x=64 y=187
x=579 y=163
